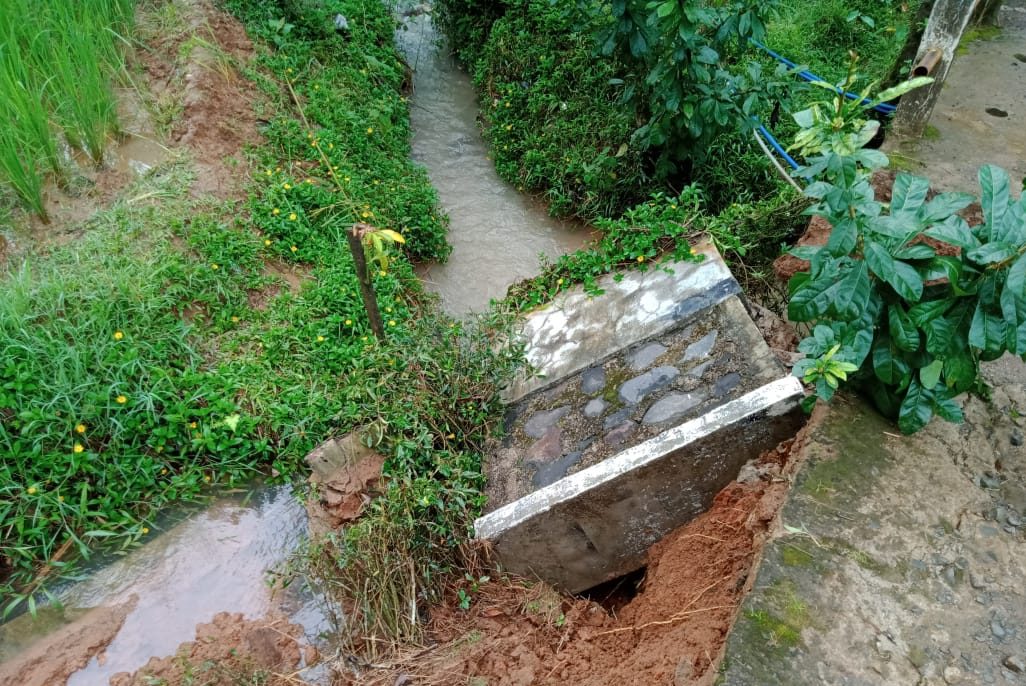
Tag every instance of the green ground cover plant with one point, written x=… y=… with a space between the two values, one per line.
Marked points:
x=57 y=62
x=909 y=321
x=158 y=357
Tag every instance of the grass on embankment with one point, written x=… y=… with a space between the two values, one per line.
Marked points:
x=57 y=61
x=150 y=359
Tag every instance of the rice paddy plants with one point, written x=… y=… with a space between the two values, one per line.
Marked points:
x=57 y=61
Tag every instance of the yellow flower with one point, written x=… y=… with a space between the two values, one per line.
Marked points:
x=370 y=130
x=331 y=146
x=31 y=490
x=160 y=449
x=559 y=282
x=349 y=322
x=363 y=338
x=267 y=241
x=505 y=147
x=673 y=207
x=320 y=339
x=365 y=214
x=693 y=251
x=509 y=127
x=293 y=216
x=293 y=248
x=383 y=272
x=145 y=530
x=207 y=479
x=289 y=70
x=192 y=425
x=347 y=179
x=118 y=335
x=78 y=448
x=60 y=498
x=641 y=258
x=275 y=211
x=507 y=104
x=277 y=169
x=286 y=186
x=80 y=428
x=268 y=172
x=316 y=87
x=391 y=322
x=309 y=180
x=388 y=309
x=164 y=470
x=376 y=182
x=451 y=436
x=235 y=320
x=215 y=266
x=121 y=400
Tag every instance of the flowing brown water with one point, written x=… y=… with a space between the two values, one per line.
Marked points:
x=497 y=233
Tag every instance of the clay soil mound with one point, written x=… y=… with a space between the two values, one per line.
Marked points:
x=518 y=633
x=228 y=651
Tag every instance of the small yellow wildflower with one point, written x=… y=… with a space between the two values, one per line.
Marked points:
x=509 y=127
x=316 y=87
x=363 y=338
x=215 y=266
x=118 y=335
x=275 y=211
x=267 y=241
x=365 y=214
x=164 y=470
x=641 y=258
x=331 y=146
x=192 y=425
x=207 y=479
x=347 y=179
x=293 y=216
x=349 y=322
x=160 y=448
x=78 y=448
x=383 y=272
x=309 y=181
x=507 y=104
x=320 y=339
x=388 y=309
x=451 y=436
x=80 y=428
x=693 y=251
x=293 y=248
x=287 y=186
x=559 y=282
x=235 y=320
x=145 y=530
x=289 y=70
x=268 y=172
x=60 y=498
x=121 y=400
x=376 y=182
x=278 y=169
x=31 y=490
x=370 y=130
x=391 y=322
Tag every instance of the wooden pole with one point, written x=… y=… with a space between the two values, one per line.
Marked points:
x=943 y=32
x=370 y=302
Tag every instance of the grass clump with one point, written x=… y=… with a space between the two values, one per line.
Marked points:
x=57 y=60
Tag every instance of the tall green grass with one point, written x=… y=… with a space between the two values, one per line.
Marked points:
x=57 y=62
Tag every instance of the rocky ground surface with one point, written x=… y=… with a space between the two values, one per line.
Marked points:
x=899 y=560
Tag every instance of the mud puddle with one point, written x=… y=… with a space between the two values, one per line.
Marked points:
x=214 y=560
x=496 y=232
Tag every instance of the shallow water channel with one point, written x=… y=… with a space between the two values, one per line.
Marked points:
x=215 y=558
x=497 y=233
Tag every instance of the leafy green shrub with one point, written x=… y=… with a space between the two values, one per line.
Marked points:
x=913 y=321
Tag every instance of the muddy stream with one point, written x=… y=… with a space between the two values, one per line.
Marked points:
x=215 y=558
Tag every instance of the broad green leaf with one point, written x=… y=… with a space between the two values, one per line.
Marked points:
x=948 y=410
x=853 y=295
x=945 y=205
x=991 y=253
x=902 y=277
x=916 y=410
x=929 y=376
x=917 y=251
x=812 y=299
x=887 y=366
x=1016 y=280
x=903 y=332
x=843 y=237
x=987 y=331
x=897 y=91
x=908 y=193
x=954 y=231
x=994 y=197
x=666 y=9
x=923 y=312
x=939 y=336
x=960 y=372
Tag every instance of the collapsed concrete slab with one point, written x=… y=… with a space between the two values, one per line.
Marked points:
x=646 y=401
x=597 y=524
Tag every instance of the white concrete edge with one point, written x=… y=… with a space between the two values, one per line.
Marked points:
x=777 y=396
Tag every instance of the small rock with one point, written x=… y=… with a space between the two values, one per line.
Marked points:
x=697 y=371
x=616 y=418
x=634 y=390
x=1014 y=519
x=541 y=422
x=620 y=433
x=1015 y=663
x=550 y=472
x=976 y=582
x=595 y=408
x=952 y=675
x=702 y=347
x=725 y=384
x=1016 y=438
x=593 y=380
x=548 y=448
x=997 y=629
x=643 y=357
x=990 y=480
x=672 y=407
